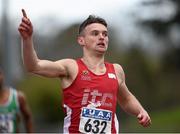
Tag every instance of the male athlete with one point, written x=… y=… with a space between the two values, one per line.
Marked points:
x=91 y=86
x=12 y=105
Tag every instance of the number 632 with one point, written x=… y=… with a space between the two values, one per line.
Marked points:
x=95 y=126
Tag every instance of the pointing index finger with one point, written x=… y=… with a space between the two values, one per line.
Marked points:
x=24 y=13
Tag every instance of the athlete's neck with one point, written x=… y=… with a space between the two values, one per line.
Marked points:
x=4 y=95
x=3 y=90
x=93 y=63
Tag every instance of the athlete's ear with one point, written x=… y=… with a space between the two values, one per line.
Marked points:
x=80 y=40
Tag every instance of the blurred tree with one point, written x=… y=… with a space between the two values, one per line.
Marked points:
x=64 y=44
x=141 y=77
x=171 y=61
x=162 y=28
x=168 y=76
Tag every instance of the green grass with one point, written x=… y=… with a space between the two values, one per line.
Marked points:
x=165 y=121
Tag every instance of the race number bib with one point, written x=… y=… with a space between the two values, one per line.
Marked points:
x=93 y=120
x=6 y=126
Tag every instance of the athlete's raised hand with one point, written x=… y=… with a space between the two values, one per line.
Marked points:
x=25 y=28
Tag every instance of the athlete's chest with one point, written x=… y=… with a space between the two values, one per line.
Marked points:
x=104 y=81
x=97 y=88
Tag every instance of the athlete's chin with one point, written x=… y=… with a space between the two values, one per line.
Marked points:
x=101 y=51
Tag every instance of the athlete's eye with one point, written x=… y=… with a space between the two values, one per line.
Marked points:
x=105 y=34
x=95 y=33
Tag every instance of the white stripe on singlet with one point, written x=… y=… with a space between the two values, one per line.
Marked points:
x=67 y=119
x=116 y=124
x=15 y=93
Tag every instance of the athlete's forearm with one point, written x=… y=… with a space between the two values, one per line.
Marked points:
x=29 y=126
x=132 y=106
x=29 y=55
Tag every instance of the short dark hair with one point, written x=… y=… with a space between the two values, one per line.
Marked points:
x=91 y=19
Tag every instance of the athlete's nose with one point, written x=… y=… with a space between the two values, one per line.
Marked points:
x=101 y=36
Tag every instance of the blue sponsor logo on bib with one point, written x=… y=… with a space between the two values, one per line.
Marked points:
x=97 y=114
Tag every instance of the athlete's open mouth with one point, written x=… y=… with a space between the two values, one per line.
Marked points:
x=101 y=44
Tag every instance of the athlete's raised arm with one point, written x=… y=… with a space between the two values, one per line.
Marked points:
x=31 y=61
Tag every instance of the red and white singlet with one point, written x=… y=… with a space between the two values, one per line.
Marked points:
x=90 y=101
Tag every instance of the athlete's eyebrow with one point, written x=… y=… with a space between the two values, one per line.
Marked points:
x=104 y=31
x=96 y=32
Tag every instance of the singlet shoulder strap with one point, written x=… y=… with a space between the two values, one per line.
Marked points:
x=81 y=64
x=110 y=66
x=15 y=97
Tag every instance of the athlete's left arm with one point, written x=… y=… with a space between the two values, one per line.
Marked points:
x=25 y=111
x=128 y=101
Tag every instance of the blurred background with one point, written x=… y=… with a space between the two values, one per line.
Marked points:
x=144 y=39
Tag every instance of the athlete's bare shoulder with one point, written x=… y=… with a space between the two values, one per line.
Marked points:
x=21 y=97
x=67 y=60
x=118 y=67
x=119 y=72
x=68 y=63
x=70 y=66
